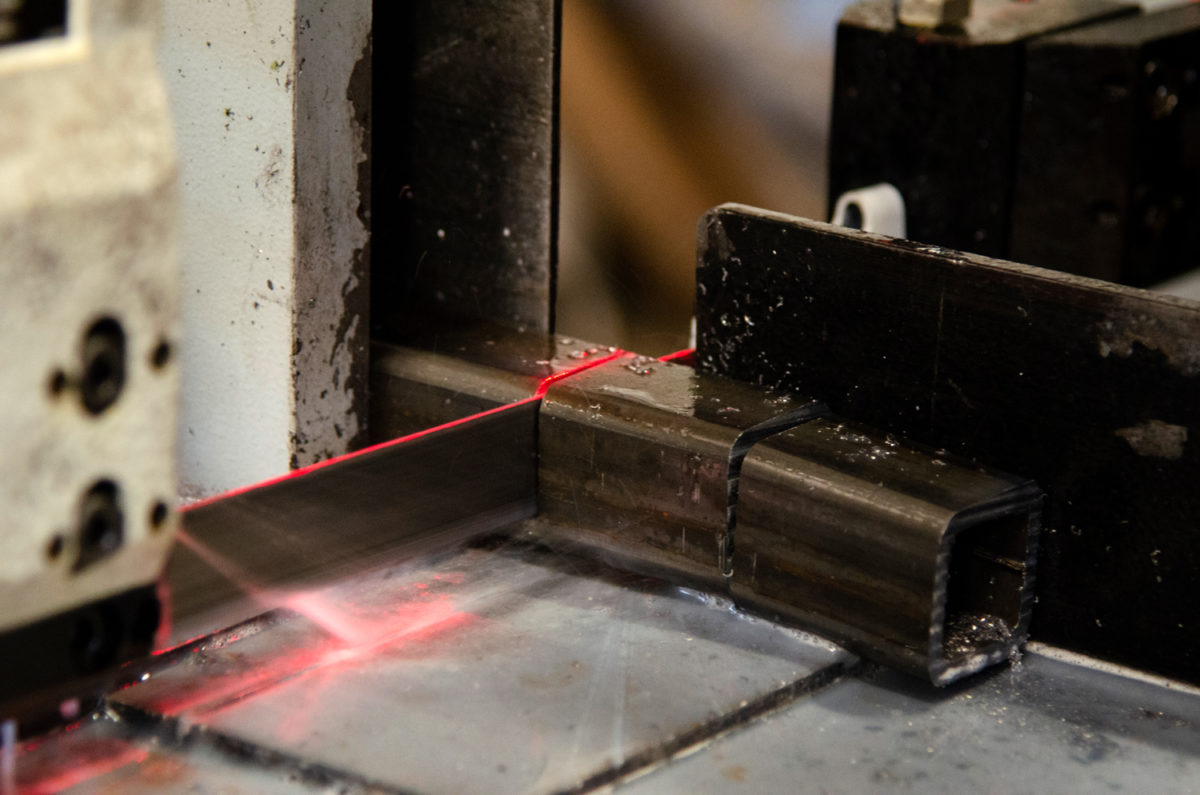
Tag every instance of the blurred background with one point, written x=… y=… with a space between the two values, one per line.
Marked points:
x=670 y=107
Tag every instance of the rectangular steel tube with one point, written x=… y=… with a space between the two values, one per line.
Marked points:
x=909 y=557
x=421 y=493
x=887 y=547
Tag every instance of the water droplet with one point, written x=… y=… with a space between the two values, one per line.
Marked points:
x=641 y=365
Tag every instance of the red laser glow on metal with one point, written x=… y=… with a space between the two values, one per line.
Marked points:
x=550 y=380
x=406 y=625
x=542 y=387
x=302 y=471
x=308 y=604
x=687 y=356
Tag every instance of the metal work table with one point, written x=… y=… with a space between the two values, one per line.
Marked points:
x=506 y=667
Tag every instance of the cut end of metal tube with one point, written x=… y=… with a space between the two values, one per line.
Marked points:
x=984 y=590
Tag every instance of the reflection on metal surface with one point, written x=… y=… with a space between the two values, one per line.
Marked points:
x=554 y=671
x=451 y=375
x=1041 y=726
x=424 y=491
x=505 y=667
x=331 y=520
x=104 y=754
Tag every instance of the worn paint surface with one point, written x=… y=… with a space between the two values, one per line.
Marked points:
x=330 y=330
x=271 y=238
x=86 y=216
x=232 y=115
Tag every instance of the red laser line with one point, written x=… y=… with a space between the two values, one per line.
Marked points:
x=302 y=471
x=543 y=386
x=550 y=380
x=685 y=354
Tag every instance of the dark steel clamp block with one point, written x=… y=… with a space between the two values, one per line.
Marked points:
x=911 y=558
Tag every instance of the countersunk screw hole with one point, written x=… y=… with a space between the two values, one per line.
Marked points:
x=103 y=365
x=101 y=524
x=161 y=355
x=158 y=515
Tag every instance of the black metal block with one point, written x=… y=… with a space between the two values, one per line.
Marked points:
x=934 y=116
x=422 y=494
x=1108 y=173
x=465 y=155
x=1064 y=135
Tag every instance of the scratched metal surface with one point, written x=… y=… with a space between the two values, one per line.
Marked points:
x=1046 y=726
x=507 y=668
x=498 y=668
x=100 y=755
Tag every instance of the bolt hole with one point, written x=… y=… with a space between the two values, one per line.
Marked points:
x=55 y=548
x=58 y=383
x=161 y=355
x=103 y=365
x=158 y=515
x=101 y=524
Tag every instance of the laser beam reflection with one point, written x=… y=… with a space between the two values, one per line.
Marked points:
x=224 y=680
x=348 y=632
x=315 y=605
